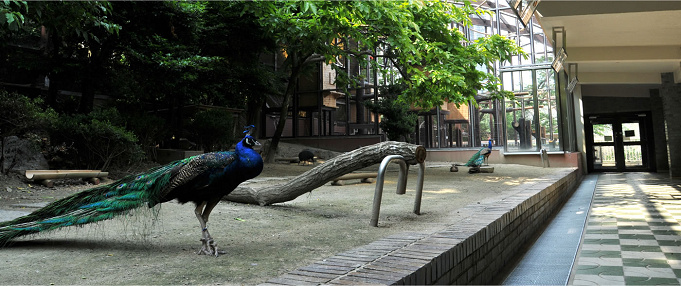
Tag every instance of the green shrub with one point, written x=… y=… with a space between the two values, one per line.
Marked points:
x=214 y=129
x=96 y=140
x=149 y=130
x=21 y=115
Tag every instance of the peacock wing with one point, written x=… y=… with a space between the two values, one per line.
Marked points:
x=199 y=172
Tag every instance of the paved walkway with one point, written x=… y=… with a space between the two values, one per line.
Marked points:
x=632 y=235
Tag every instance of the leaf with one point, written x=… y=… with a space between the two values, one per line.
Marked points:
x=239 y=219
x=10 y=18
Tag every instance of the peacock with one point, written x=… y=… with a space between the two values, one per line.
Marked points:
x=479 y=158
x=203 y=179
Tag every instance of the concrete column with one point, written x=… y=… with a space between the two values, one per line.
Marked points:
x=579 y=126
x=657 y=110
x=670 y=93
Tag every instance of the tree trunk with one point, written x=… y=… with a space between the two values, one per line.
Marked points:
x=87 y=92
x=320 y=175
x=288 y=94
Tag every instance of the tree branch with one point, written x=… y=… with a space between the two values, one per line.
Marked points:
x=320 y=175
x=313 y=59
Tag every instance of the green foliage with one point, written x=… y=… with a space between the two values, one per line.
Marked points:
x=435 y=63
x=95 y=140
x=396 y=121
x=11 y=15
x=149 y=130
x=166 y=55
x=88 y=20
x=448 y=68
x=21 y=115
x=215 y=129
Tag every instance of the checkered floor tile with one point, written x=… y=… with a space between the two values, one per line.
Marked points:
x=633 y=234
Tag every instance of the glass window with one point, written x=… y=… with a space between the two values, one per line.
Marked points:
x=603 y=133
x=543 y=51
x=529 y=123
x=532 y=118
x=548 y=110
x=631 y=132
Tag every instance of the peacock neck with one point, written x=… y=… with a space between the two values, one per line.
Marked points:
x=247 y=156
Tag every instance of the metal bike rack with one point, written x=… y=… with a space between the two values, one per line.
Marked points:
x=401 y=185
x=544 y=158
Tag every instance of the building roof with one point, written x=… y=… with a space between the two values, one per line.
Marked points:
x=620 y=47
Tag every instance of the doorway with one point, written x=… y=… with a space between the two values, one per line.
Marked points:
x=619 y=142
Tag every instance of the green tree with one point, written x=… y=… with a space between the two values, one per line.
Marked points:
x=240 y=80
x=174 y=54
x=435 y=63
x=396 y=121
x=71 y=36
x=159 y=64
x=213 y=128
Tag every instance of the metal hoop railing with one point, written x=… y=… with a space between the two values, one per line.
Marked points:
x=401 y=185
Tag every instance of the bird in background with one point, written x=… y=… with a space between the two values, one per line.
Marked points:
x=306 y=156
x=479 y=158
x=203 y=179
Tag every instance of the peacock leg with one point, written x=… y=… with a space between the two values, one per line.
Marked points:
x=202 y=212
x=205 y=248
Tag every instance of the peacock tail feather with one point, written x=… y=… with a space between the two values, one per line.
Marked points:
x=476 y=159
x=95 y=204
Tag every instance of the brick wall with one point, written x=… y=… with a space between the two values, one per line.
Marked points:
x=473 y=251
x=670 y=93
x=657 y=114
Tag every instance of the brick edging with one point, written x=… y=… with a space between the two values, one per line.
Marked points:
x=470 y=252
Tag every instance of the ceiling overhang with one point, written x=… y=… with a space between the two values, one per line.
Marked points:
x=618 y=42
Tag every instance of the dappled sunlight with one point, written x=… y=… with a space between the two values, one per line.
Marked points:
x=493 y=179
x=442 y=191
x=619 y=190
x=516 y=182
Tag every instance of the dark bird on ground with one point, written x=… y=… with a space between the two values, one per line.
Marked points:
x=305 y=156
x=202 y=179
x=479 y=158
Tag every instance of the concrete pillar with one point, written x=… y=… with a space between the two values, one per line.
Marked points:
x=660 y=137
x=670 y=93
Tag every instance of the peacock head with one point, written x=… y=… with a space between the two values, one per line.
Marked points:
x=248 y=140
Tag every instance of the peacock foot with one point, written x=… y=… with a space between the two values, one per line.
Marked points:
x=209 y=247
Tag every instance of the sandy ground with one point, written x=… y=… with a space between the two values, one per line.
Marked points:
x=158 y=246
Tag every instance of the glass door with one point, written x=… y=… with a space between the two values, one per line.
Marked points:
x=618 y=143
x=632 y=144
x=604 y=146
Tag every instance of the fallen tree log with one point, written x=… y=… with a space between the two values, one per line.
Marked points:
x=331 y=169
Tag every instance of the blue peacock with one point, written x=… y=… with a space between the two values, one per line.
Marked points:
x=479 y=158
x=202 y=179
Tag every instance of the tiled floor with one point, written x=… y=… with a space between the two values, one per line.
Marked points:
x=633 y=233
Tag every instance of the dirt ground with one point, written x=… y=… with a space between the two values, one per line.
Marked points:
x=158 y=246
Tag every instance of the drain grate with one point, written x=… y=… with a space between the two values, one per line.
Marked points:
x=549 y=260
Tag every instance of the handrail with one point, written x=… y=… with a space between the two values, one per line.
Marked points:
x=401 y=185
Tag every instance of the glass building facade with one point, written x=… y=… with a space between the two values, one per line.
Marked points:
x=537 y=118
